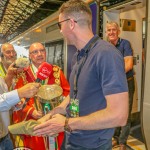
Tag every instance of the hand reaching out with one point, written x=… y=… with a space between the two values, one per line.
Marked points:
x=29 y=90
x=51 y=126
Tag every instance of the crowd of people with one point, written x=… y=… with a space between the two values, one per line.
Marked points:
x=96 y=104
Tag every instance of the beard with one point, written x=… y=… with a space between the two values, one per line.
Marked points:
x=9 y=61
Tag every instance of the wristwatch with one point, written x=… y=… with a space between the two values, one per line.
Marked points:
x=66 y=126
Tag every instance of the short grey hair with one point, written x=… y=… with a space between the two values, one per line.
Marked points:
x=113 y=23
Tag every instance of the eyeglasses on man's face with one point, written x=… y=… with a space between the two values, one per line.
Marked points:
x=59 y=23
x=35 y=52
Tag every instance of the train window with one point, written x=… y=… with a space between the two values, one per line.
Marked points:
x=50 y=54
x=55 y=53
x=51 y=28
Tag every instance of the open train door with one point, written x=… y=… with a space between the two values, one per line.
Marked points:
x=130 y=15
x=146 y=102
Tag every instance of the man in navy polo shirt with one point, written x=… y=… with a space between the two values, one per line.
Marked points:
x=88 y=114
x=113 y=31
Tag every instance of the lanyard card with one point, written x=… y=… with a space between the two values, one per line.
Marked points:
x=74 y=108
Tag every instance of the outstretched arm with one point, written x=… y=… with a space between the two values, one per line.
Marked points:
x=107 y=118
x=9 y=99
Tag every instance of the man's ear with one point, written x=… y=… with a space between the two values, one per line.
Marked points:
x=72 y=23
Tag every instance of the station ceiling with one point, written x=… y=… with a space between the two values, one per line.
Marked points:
x=16 y=16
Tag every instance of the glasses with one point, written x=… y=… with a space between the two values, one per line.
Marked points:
x=59 y=23
x=35 y=52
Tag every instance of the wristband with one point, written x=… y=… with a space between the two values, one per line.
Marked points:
x=66 y=126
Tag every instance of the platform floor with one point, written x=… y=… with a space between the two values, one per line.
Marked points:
x=135 y=140
x=133 y=144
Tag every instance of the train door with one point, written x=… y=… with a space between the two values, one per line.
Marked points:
x=129 y=15
x=146 y=96
x=131 y=29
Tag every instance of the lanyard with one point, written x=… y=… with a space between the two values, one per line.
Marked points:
x=80 y=65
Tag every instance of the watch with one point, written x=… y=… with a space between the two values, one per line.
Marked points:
x=66 y=126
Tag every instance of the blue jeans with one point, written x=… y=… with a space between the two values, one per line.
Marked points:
x=122 y=133
x=70 y=146
x=6 y=143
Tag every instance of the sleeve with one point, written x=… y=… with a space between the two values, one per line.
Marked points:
x=7 y=100
x=127 y=49
x=110 y=69
x=64 y=84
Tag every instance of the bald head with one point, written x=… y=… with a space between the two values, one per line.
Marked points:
x=9 y=53
x=37 y=54
x=36 y=45
x=7 y=46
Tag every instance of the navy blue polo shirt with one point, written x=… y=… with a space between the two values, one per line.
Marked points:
x=125 y=48
x=102 y=74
